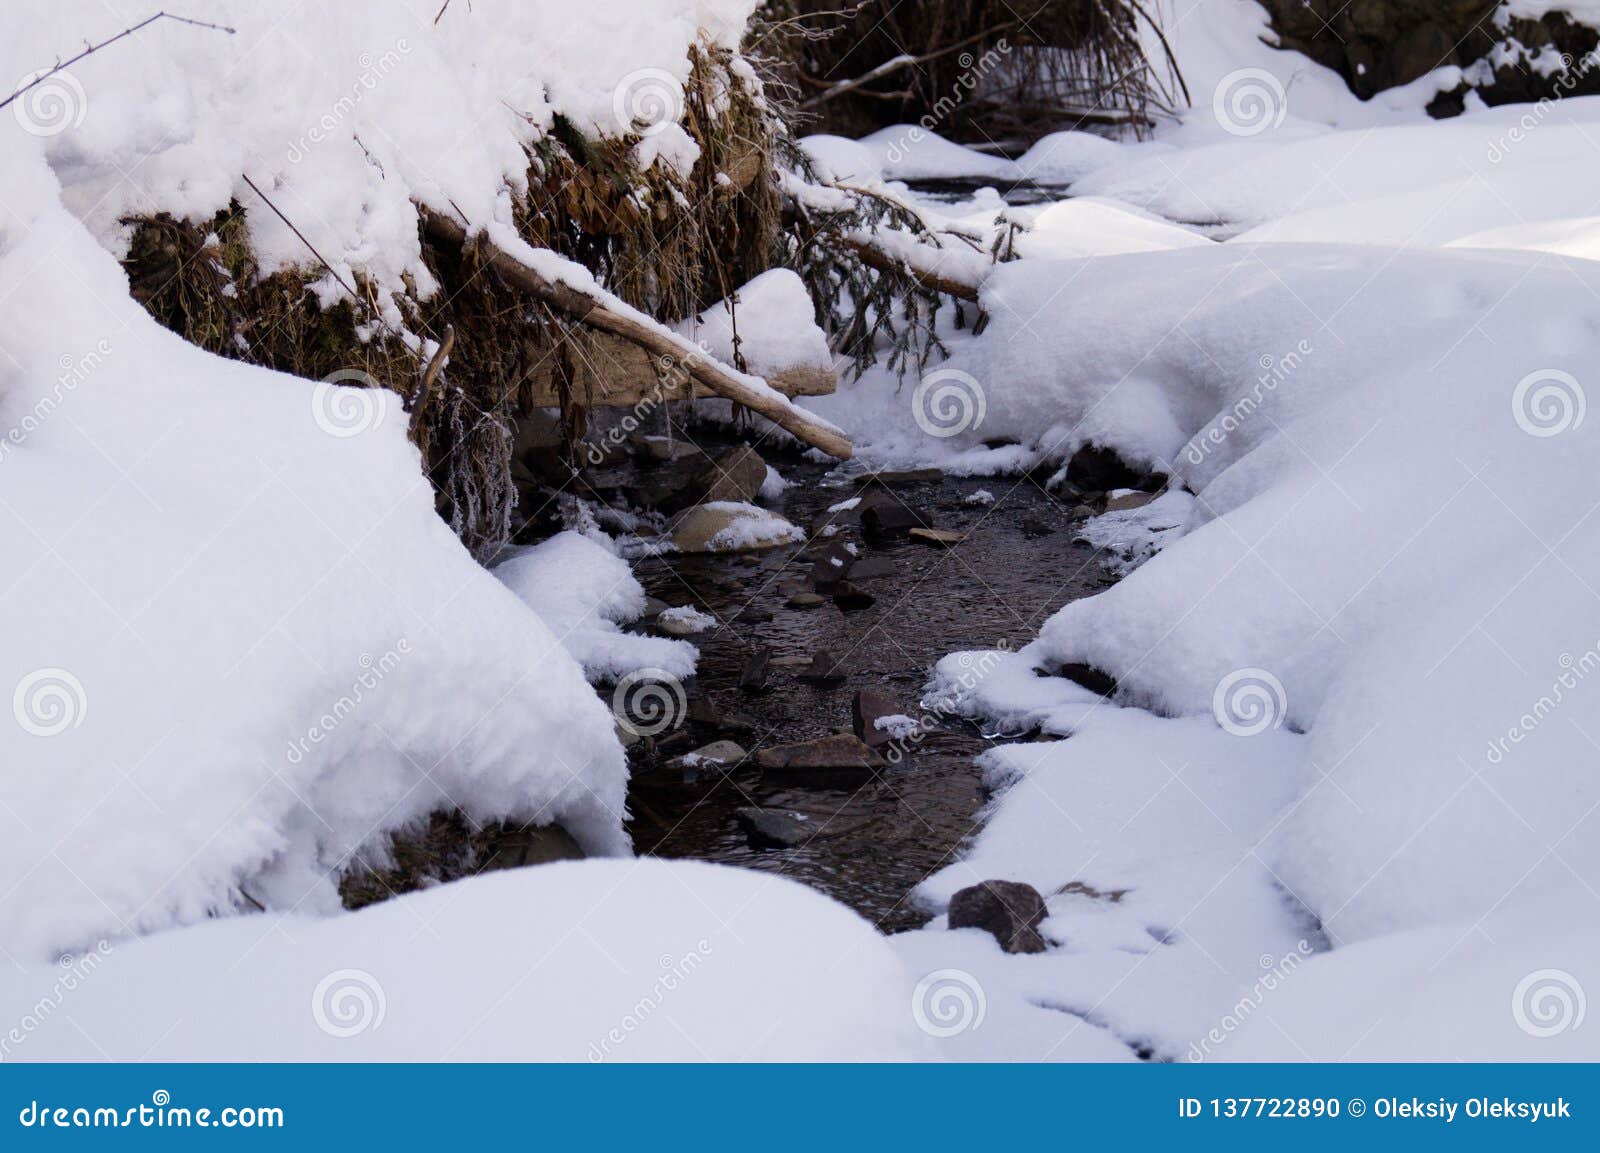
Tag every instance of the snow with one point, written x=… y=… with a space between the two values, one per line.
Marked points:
x=911 y=152
x=1354 y=678
x=751 y=527
x=1483 y=991
x=243 y=644
x=583 y=591
x=579 y=961
x=771 y=316
x=686 y=619
x=390 y=108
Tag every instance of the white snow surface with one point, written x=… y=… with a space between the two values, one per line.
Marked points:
x=581 y=961
x=240 y=644
x=584 y=592
x=389 y=107
x=1370 y=384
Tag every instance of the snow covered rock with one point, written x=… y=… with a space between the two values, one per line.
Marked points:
x=726 y=526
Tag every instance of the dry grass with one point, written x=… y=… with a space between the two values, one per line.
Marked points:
x=667 y=244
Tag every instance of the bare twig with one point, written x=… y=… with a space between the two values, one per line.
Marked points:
x=90 y=49
x=302 y=237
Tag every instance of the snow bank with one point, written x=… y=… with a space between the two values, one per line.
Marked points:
x=1139 y=832
x=1481 y=991
x=1380 y=526
x=584 y=591
x=346 y=119
x=774 y=320
x=583 y=961
x=241 y=644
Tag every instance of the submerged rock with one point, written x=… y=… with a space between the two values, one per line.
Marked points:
x=826 y=667
x=806 y=600
x=774 y=828
x=837 y=751
x=1009 y=910
x=852 y=598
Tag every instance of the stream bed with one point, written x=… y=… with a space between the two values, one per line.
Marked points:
x=1018 y=562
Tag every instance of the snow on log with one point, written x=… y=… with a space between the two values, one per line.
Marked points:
x=570 y=288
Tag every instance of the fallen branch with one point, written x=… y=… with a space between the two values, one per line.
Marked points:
x=596 y=312
x=874 y=257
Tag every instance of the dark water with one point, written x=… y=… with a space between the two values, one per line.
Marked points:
x=955 y=190
x=877 y=840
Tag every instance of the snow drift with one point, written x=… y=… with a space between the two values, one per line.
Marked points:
x=242 y=645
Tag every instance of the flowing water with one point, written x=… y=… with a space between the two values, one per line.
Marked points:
x=1018 y=564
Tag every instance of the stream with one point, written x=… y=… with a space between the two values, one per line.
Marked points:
x=1018 y=563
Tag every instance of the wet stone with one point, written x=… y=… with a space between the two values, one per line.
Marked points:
x=865 y=711
x=1009 y=910
x=836 y=751
x=774 y=828
x=851 y=598
x=753 y=676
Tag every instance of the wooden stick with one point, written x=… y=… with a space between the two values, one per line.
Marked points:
x=874 y=257
x=595 y=312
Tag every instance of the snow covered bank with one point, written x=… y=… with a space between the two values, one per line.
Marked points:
x=584 y=961
x=389 y=108
x=242 y=644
